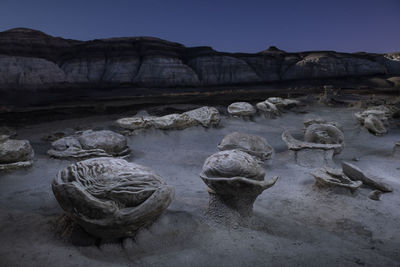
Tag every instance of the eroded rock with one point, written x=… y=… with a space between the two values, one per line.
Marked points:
x=15 y=154
x=234 y=180
x=204 y=116
x=268 y=109
x=356 y=174
x=241 y=109
x=374 y=119
x=111 y=198
x=334 y=177
x=89 y=144
x=252 y=144
x=325 y=134
x=283 y=103
x=313 y=154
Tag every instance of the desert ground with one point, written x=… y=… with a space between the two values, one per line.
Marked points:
x=295 y=223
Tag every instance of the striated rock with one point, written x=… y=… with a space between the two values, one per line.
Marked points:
x=241 y=109
x=166 y=71
x=234 y=180
x=356 y=174
x=29 y=71
x=89 y=144
x=204 y=116
x=216 y=69
x=111 y=198
x=15 y=154
x=334 y=177
x=252 y=144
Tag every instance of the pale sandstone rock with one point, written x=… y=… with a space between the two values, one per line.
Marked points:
x=204 y=116
x=241 y=109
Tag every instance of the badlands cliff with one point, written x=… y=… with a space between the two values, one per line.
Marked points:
x=32 y=60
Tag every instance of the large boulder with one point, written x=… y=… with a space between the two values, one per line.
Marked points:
x=111 y=198
x=204 y=116
x=252 y=144
x=375 y=119
x=89 y=144
x=15 y=153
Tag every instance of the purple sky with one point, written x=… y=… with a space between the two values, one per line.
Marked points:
x=226 y=25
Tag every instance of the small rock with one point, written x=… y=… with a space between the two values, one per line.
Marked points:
x=375 y=195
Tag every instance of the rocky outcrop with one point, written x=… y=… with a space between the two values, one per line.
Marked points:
x=34 y=59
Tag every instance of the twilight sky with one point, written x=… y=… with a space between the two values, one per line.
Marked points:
x=226 y=25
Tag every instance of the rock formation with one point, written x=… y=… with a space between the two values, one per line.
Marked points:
x=15 y=154
x=234 y=179
x=31 y=59
x=322 y=141
x=111 y=198
x=90 y=144
x=274 y=106
x=374 y=119
x=356 y=174
x=330 y=177
x=252 y=144
x=241 y=109
x=204 y=116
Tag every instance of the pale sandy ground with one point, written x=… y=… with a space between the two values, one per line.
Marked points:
x=295 y=223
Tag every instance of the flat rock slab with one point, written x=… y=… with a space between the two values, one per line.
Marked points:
x=356 y=174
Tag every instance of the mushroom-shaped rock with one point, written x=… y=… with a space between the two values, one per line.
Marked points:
x=268 y=109
x=308 y=154
x=15 y=154
x=89 y=144
x=325 y=134
x=111 y=198
x=234 y=180
x=204 y=116
x=334 y=177
x=252 y=144
x=241 y=109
